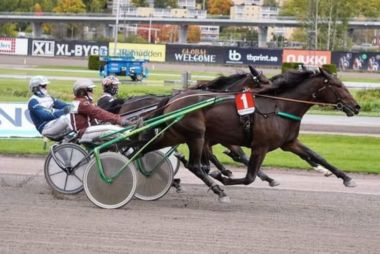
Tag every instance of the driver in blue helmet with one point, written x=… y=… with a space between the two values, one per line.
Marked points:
x=48 y=114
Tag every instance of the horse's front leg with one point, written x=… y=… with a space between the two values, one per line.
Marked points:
x=303 y=151
x=254 y=164
x=194 y=165
x=238 y=155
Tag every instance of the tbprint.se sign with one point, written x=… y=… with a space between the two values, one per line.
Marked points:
x=307 y=57
x=15 y=121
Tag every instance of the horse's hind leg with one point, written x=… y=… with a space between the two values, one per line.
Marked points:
x=238 y=155
x=317 y=167
x=194 y=165
x=304 y=152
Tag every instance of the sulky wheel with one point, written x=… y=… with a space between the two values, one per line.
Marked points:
x=155 y=184
x=68 y=180
x=110 y=195
x=173 y=160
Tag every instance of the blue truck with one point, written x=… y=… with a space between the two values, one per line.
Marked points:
x=124 y=66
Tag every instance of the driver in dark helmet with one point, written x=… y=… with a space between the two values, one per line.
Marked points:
x=87 y=114
x=107 y=100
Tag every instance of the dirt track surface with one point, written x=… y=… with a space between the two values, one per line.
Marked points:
x=258 y=220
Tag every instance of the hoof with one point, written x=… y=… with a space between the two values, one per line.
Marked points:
x=328 y=173
x=349 y=183
x=181 y=190
x=225 y=200
x=228 y=173
x=274 y=183
x=215 y=174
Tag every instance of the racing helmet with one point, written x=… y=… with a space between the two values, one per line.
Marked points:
x=36 y=81
x=110 y=85
x=82 y=86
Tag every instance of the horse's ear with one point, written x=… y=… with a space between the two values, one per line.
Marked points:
x=324 y=72
x=303 y=67
x=253 y=71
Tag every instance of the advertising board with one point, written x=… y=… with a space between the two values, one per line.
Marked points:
x=308 y=57
x=194 y=54
x=52 y=48
x=15 y=121
x=152 y=52
x=253 y=56
x=13 y=46
x=366 y=61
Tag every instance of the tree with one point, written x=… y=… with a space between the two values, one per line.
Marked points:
x=270 y=3
x=320 y=19
x=219 y=7
x=165 y=3
x=37 y=9
x=46 y=5
x=70 y=6
x=140 y=3
x=95 y=5
x=194 y=34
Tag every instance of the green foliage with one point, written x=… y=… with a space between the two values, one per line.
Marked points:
x=165 y=3
x=70 y=6
x=286 y=66
x=270 y=3
x=332 y=33
x=94 y=63
x=8 y=30
x=140 y=3
x=95 y=5
x=331 y=67
x=132 y=38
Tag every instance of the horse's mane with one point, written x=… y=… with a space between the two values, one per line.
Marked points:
x=220 y=83
x=287 y=80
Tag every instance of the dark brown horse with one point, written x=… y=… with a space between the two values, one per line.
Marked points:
x=231 y=84
x=142 y=105
x=220 y=123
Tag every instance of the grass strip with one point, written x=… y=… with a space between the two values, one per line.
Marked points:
x=348 y=153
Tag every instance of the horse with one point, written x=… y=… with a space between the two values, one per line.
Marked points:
x=231 y=84
x=143 y=104
x=271 y=129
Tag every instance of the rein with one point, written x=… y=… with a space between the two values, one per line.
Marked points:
x=250 y=90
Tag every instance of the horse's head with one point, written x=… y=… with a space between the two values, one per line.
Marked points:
x=332 y=90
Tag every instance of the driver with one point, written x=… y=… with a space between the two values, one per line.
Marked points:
x=87 y=114
x=107 y=100
x=48 y=113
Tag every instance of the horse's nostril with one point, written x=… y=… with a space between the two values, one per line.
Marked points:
x=357 y=107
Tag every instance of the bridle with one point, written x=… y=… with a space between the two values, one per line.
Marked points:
x=338 y=105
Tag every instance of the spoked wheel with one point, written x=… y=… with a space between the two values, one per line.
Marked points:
x=110 y=195
x=153 y=185
x=69 y=180
x=173 y=160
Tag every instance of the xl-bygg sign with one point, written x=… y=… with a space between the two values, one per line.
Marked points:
x=252 y=56
x=308 y=57
x=13 y=46
x=15 y=121
x=194 y=54
x=68 y=48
